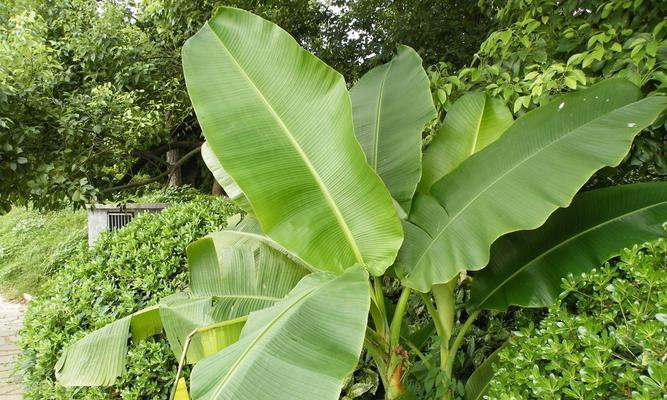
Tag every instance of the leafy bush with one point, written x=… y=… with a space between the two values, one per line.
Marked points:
x=605 y=339
x=125 y=271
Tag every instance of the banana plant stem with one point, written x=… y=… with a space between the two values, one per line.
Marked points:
x=457 y=342
x=397 y=320
x=375 y=349
x=426 y=299
x=181 y=362
x=445 y=303
x=380 y=320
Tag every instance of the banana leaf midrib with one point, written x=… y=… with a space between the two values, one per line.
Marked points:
x=378 y=113
x=325 y=191
x=510 y=170
x=247 y=296
x=479 y=127
x=221 y=385
x=561 y=244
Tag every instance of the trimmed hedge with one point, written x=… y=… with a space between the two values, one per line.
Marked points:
x=125 y=271
x=605 y=339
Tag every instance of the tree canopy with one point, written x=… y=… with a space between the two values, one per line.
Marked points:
x=541 y=48
x=92 y=95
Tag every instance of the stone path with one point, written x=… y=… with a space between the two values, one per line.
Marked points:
x=11 y=316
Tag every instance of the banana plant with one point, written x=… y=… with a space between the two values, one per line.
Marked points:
x=337 y=196
x=514 y=184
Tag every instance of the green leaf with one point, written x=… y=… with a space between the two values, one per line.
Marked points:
x=230 y=187
x=478 y=382
x=315 y=334
x=99 y=357
x=472 y=123
x=570 y=82
x=243 y=271
x=218 y=336
x=180 y=316
x=596 y=227
x=184 y=316
x=145 y=324
x=280 y=123
x=536 y=166
x=391 y=104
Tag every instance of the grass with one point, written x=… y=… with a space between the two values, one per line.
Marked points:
x=32 y=245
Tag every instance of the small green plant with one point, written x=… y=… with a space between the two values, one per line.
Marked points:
x=606 y=338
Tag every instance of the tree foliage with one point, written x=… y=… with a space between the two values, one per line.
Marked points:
x=92 y=94
x=541 y=48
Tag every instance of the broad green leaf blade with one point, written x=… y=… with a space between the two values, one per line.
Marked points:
x=473 y=122
x=99 y=357
x=230 y=187
x=515 y=183
x=183 y=316
x=243 y=271
x=302 y=348
x=478 y=382
x=391 y=104
x=216 y=337
x=146 y=324
x=280 y=122
x=527 y=267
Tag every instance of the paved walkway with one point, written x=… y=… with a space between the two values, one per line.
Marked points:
x=11 y=316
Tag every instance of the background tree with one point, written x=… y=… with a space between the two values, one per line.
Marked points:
x=92 y=95
x=448 y=30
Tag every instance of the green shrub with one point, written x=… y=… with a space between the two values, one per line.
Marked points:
x=125 y=271
x=605 y=339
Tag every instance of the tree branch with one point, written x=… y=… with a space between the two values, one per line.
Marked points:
x=177 y=164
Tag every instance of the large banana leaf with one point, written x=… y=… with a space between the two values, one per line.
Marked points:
x=526 y=267
x=99 y=357
x=473 y=122
x=232 y=190
x=513 y=184
x=302 y=348
x=391 y=104
x=242 y=270
x=280 y=122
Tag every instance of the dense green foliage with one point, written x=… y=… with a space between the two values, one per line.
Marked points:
x=370 y=30
x=125 y=271
x=605 y=338
x=92 y=94
x=541 y=48
x=33 y=246
x=525 y=63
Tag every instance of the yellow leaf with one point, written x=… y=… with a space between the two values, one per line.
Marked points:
x=181 y=391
